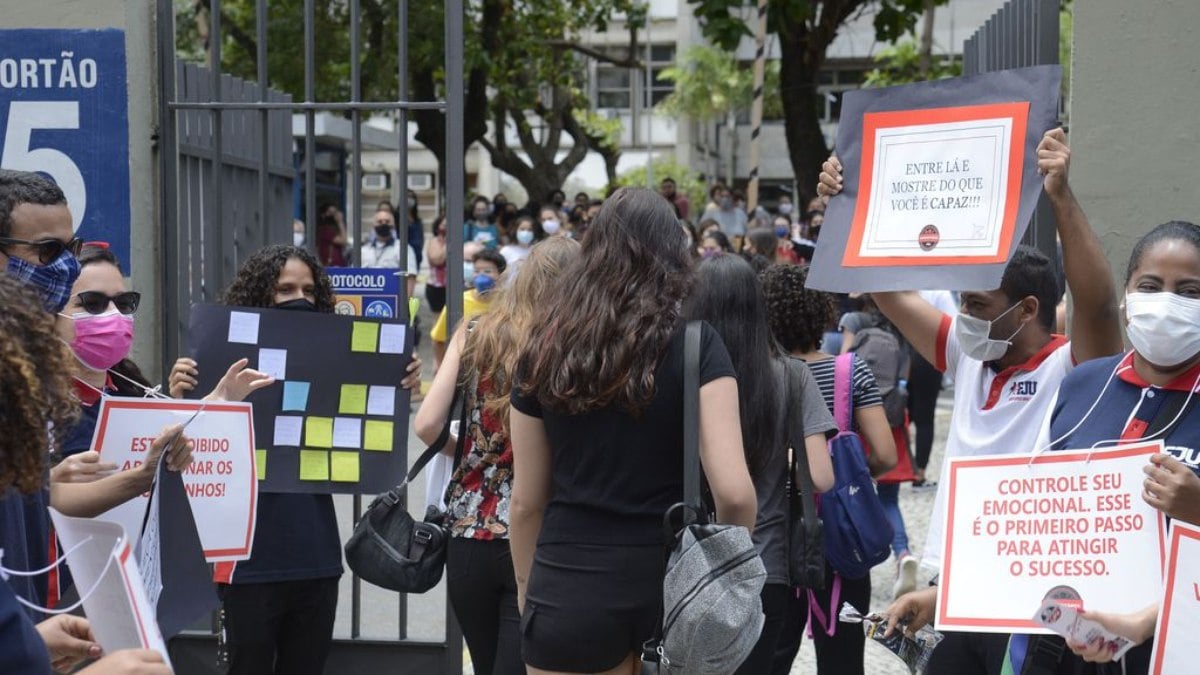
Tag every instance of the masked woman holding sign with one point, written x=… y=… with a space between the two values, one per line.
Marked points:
x=278 y=607
x=1148 y=393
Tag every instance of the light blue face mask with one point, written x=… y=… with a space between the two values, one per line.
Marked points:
x=468 y=271
x=525 y=237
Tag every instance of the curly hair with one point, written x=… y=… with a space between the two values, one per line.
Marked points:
x=254 y=285
x=25 y=187
x=493 y=347
x=35 y=385
x=599 y=336
x=798 y=316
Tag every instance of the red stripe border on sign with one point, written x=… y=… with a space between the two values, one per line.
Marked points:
x=944 y=620
x=113 y=403
x=1164 y=621
x=137 y=616
x=1018 y=112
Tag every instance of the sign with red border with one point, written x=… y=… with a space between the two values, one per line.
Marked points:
x=222 y=482
x=1179 y=611
x=1017 y=526
x=939 y=182
x=938 y=186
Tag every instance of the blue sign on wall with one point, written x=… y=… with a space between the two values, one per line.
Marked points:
x=365 y=291
x=64 y=113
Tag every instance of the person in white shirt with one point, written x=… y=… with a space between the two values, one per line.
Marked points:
x=527 y=233
x=385 y=251
x=1007 y=364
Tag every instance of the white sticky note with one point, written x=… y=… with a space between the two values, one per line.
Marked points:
x=273 y=362
x=287 y=431
x=347 y=432
x=391 y=338
x=381 y=401
x=243 y=327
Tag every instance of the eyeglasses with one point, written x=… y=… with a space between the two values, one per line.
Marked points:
x=95 y=302
x=47 y=249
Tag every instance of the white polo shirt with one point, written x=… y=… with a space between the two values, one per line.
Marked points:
x=995 y=413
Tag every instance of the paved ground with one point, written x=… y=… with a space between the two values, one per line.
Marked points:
x=426 y=614
x=916 y=506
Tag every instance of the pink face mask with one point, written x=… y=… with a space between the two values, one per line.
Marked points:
x=102 y=340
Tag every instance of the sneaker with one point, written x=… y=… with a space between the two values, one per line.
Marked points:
x=924 y=485
x=906 y=576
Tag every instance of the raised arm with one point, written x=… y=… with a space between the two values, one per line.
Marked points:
x=1095 y=324
x=919 y=321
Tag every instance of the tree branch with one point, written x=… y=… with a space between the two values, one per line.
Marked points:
x=599 y=55
x=240 y=37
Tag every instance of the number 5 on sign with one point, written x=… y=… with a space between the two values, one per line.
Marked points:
x=25 y=117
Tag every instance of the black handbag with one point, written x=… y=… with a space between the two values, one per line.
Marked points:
x=392 y=550
x=806 y=541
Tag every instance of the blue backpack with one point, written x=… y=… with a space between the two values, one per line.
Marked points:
x=858 y=535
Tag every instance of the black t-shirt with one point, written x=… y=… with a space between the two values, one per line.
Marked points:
x=614 y=474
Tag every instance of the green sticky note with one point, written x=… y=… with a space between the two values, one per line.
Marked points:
x=314 y=465
x=318 y=432
x=260 y=461
x=365 y=337
x=343 y=467
x=354 y=400
x=377 y=435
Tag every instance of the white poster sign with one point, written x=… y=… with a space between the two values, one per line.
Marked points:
x=222 y=481
x=1179 y=612
x=1016 y=527
x=107 y=576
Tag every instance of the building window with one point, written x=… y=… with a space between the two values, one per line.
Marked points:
x=616 y=86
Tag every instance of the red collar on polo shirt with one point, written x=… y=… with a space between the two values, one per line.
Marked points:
x=1183 y=382
x=1002 y=377
x=87 y=394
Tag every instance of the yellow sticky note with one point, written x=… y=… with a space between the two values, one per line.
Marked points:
x=260 y=460
x=314 y=465
x=343 y=467
x=365 y=337
x=354 y=400
x=318 y=432
x=377 y=435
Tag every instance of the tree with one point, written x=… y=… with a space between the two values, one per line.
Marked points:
x=687 y=182
x=710 y=85
x=523 y=69
x=804 y=30
x=903 y=62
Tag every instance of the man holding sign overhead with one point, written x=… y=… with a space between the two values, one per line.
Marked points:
x=1006 y=362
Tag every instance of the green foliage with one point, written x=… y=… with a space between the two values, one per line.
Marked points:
x=687 y=182
x=901 y=64
x=710 y=84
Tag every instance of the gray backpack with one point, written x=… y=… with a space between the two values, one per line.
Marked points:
x=712 y=608
x=886 y=357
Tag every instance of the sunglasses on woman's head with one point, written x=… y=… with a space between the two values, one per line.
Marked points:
x=95 y=302
x=47 y=249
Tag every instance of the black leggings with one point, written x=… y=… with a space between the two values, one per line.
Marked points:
x=924 y=385
x=775 y=600
x=283 y=627
x=839 y=654
x=483 y=593
x=436 y=295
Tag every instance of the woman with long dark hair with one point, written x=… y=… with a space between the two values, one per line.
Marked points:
x=597 y=432
x=729 y=297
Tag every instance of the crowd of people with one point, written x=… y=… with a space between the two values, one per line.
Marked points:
x=570 y=359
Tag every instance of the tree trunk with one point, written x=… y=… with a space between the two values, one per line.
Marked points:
x=925 y=56
x=802 y=126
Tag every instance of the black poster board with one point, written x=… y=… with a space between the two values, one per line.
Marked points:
x=336 y=421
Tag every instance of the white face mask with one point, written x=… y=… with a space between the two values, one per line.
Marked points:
x=1163 y=327
x=298 y=238
x=785 y=208
x=551 y=226
x=975 y=337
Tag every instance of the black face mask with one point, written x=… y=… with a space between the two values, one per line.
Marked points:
x=383 y=231
x=299 y=305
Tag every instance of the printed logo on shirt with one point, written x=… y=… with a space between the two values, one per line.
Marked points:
x=1189 y=456
x=1024 y=390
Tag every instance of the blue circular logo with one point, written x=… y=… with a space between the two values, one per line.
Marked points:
x=378 y=309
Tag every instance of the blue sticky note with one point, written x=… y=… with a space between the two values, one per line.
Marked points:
x=295 y=395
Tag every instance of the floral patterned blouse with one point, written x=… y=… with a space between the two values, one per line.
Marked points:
x=480 y=490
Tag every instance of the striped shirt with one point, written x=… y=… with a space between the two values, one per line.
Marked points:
x=865 y=390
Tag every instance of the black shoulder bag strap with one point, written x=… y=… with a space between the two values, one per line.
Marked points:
x=804 y=505
x=691 y=417
x=652 y=648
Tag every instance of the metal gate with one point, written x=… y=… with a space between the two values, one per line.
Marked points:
x=1020 y=34
x=229 y=169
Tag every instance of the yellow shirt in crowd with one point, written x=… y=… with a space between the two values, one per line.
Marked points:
x=473 y=305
